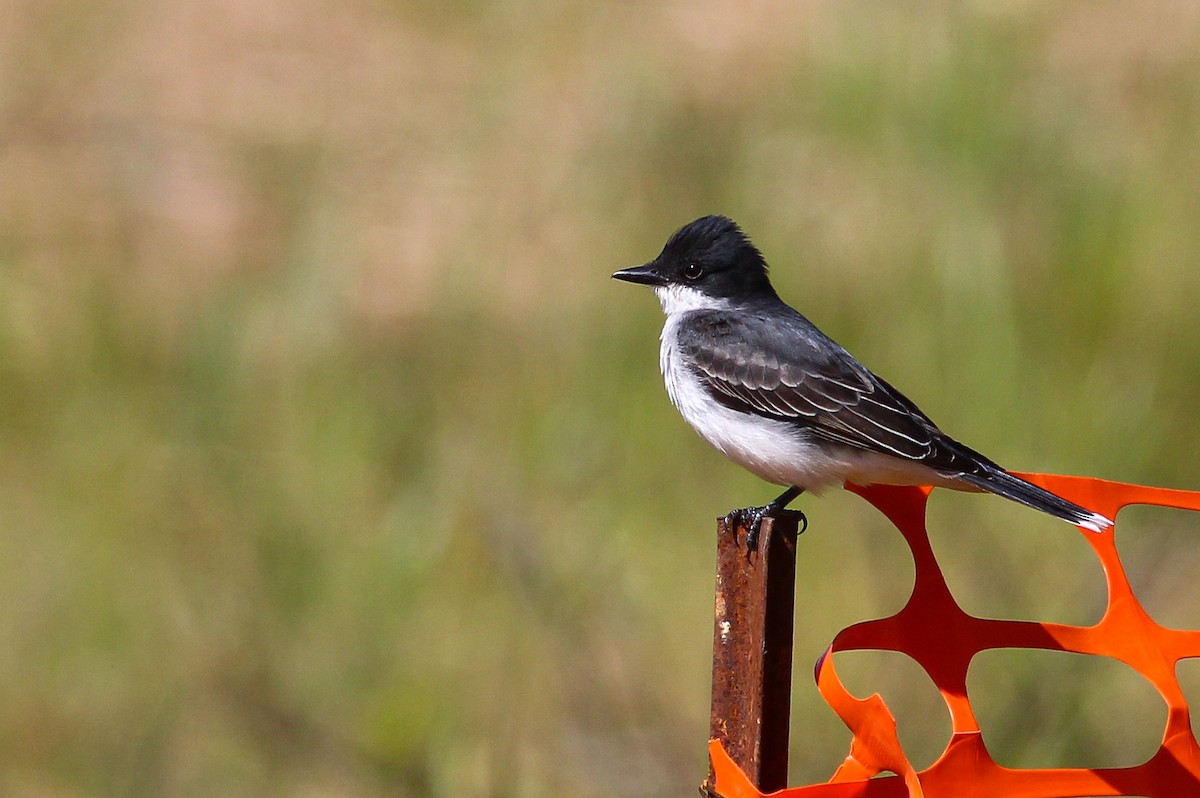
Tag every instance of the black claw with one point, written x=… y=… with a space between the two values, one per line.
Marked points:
x=757 y=514
x=752 y=517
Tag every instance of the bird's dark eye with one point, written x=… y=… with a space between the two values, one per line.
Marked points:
x=692 y=271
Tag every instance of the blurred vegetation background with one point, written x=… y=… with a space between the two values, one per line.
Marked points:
x=332 y=462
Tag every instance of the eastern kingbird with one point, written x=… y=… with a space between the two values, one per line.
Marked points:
x=777 y=396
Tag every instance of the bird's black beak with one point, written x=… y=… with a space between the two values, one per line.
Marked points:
x=646 y=275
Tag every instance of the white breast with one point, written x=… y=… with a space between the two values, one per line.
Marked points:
x=772 y=450
x=775 y=451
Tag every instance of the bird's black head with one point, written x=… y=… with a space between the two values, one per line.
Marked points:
x=709 y=261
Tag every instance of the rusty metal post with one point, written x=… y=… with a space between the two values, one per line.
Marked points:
x=752 y=649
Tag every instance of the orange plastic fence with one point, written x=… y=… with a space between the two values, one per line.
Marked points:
x=942 y=638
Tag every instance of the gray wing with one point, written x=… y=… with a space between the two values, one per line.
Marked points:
x=787 y=369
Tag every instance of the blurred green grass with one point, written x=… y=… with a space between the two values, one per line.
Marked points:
x=331 y=461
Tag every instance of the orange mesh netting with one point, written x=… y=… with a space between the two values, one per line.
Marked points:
x=942 y=639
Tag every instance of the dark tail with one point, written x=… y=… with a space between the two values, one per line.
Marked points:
x=1002 y=483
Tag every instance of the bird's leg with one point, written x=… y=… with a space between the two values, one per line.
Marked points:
x=752 y=517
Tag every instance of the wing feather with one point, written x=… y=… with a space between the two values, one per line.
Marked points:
x=791 y=371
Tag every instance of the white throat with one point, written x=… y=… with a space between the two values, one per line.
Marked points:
x=678 y=299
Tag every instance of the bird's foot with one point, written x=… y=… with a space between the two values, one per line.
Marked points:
x=752 y=517
x=749 y=517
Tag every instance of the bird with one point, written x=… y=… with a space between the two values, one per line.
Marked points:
x=760 y=383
